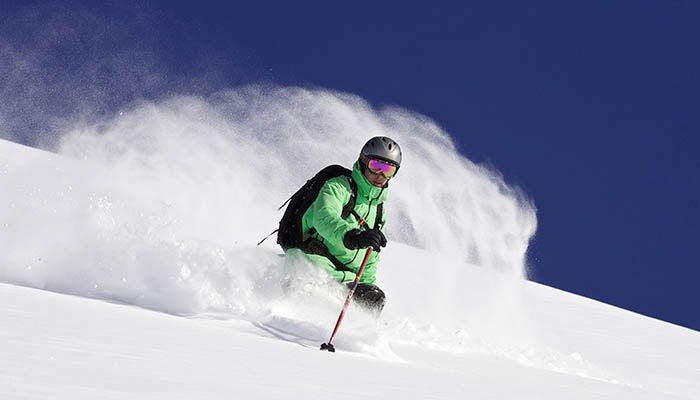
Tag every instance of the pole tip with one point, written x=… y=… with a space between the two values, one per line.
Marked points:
x=328 y=346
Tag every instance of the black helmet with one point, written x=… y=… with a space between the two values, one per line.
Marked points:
x=381 y=148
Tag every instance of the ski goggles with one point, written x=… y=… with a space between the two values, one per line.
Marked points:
x=380 y=167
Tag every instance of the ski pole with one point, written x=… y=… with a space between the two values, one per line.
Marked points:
x=329 y=346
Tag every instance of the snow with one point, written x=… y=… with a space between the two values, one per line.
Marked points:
x=128 y=268
x=59 y=346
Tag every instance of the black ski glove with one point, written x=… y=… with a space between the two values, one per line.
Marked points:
x=355 y=239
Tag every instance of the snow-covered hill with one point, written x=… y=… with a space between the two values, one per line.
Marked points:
x=129 y=269
x=65 y=347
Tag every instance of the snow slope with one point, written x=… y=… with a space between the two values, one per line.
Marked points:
x=130 y=269
x=65 y=347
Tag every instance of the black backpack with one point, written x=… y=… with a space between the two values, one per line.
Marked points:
x=289 y=234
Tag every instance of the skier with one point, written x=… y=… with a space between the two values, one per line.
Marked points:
x=336 y=243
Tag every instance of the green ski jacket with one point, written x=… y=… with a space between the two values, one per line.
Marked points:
x=324 y=216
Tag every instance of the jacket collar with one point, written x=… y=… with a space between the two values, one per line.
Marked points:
x=365 y=189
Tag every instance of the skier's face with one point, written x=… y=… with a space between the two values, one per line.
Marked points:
x=377 y=180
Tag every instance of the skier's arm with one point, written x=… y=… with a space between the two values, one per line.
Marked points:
x=327 y=209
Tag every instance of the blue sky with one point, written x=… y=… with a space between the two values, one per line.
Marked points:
x=591 y=107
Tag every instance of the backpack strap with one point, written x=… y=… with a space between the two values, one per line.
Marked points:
x=379 y=217
x=317 y=247
x=350 y=206
x=265 y=238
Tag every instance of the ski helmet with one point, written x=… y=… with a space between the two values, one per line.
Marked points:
x=382 y=148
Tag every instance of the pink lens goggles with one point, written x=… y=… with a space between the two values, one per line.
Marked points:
x=380 y=167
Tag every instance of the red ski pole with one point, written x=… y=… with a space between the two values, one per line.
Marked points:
x=329 y=346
